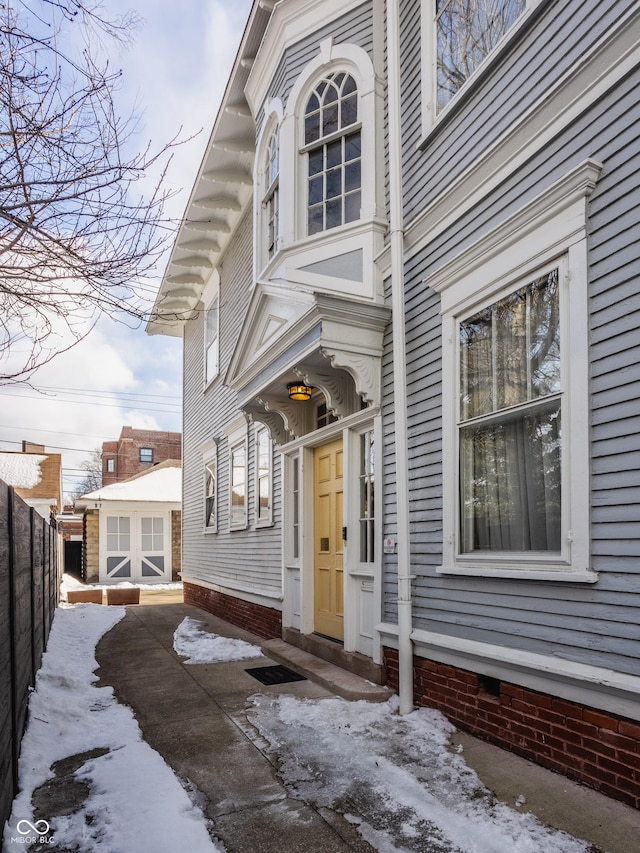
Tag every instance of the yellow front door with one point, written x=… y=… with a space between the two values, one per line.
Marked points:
x=328 y=545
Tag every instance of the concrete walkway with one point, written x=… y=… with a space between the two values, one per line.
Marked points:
x=194 y=716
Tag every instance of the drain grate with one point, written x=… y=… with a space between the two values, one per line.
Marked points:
x=277 y=674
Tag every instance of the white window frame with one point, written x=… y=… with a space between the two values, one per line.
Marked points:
x=267 y=520
x=551 y=229
x=211 y=298
x=238 y=441
x=267 y=190
x=429 y=60
x=210 y=458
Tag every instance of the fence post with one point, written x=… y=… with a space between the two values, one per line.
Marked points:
x=15 y=737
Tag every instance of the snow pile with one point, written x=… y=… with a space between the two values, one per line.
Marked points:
x=71 y=583
x=134 y=800
x=395 y=778
x=21 y=470
x=200 y=646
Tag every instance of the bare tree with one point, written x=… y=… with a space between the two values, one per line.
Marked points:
x=93 y=480
x=77 y=236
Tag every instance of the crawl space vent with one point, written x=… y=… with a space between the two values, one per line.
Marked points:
x=275 y=674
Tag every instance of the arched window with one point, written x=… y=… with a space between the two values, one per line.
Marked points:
x=270 y=201
x=332 y=144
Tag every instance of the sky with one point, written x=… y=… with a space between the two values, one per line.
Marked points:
x=397 y=774
x=174 y=76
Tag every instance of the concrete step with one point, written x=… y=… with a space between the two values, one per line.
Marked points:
x=332 y=677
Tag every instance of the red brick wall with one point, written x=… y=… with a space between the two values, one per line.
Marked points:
x=263 y=621
x=126 y=452
x=599 y=749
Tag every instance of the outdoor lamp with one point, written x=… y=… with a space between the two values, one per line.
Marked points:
x=298 y=391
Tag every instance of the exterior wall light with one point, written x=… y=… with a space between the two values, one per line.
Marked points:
x=298 y=391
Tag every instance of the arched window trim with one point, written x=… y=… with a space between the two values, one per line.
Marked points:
x=267 y=189
x=356 y=62
x=333 y=152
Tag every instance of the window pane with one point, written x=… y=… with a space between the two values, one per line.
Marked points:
x=329 y=119
x=352 y=146
x=510 y=330
x=312 y=128
x=352 y=207
x=330 y=95
x=112 y=542
x=334 y=213
x=334 y=183
x=316 y=161
x=352 y=176
x=466 y=33
x=476 y=365
x=315 y=222
x=350 y=111
x=545 y=335
x=510 y=497
x=316 y=190
x=334 y=154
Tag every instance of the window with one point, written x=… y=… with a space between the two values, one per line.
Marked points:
x=270 y=200
x=238 y=496
x=295 y=483
x=152 y=534
x=263 y=476
x=367 y=495
x=211 y=339
x=509 y=427
x=515 y=392
x=324 y=416
x=211 y=494
x=467 y=32
x=146 y=454
x=118 y=533
x=332 y=144
x=111 y=466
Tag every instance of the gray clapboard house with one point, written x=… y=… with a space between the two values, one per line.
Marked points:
x=407 y=284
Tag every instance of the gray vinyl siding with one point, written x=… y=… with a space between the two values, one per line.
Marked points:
x=593 y=624
x=227 y=555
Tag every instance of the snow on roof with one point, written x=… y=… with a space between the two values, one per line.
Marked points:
x=21 y=470
x=158 y=484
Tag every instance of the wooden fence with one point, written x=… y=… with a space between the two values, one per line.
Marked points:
x=29 y=584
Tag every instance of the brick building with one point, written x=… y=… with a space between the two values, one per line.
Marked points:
x=137 y=450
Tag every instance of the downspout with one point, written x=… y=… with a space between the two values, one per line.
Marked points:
x=405 y=647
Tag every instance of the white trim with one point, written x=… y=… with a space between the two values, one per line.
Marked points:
x=274 y=112
x=262 y=522
x=551 y=227
x=293 y=180
x=266 y=598
x=594 y=686
x=211 y=296
x=289 y=23
x=209 y=455
x=237 y=440
x=429 y=57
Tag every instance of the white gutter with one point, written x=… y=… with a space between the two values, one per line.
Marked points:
x=405 y=647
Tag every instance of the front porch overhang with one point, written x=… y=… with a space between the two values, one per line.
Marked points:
x=330 y=343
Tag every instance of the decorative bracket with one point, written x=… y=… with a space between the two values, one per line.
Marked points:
x=333 y=388
x=365 y=370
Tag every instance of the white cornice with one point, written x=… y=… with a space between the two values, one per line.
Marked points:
x=575 y=185
x=289 y=23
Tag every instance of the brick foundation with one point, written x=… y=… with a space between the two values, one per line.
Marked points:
x=263 y=621
x=594 y=747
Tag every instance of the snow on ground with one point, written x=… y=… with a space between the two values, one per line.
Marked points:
x=200 y=646
x=135 y=801
x=69 y=582
x=395 y=778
